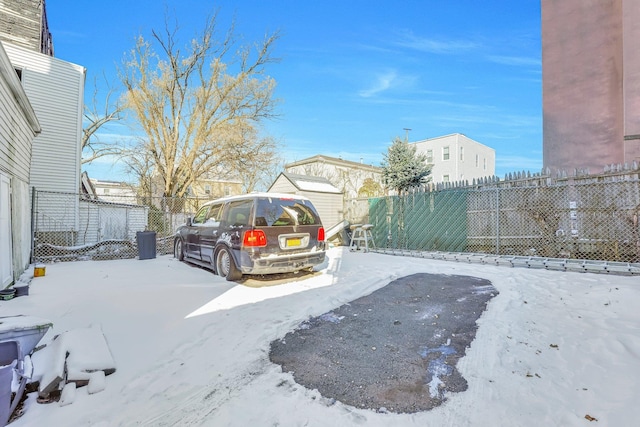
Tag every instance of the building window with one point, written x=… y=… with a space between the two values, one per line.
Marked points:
x=105 y=191
x=19 y=73
x=445 y=178
x=207 y=189
x=227 y=190
x=445 y=153
x=477 y=160
x=430 y=157
x=484 y=163
x=461 y=154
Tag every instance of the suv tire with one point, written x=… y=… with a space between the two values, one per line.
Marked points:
x=178 y=249
x=226 y=266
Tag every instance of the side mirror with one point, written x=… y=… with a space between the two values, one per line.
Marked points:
x=188 y=221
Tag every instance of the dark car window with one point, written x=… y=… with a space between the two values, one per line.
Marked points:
x=201 y=215
x=277 y=212
x=238 y=213
x=213 y=217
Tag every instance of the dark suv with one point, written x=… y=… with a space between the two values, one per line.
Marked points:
x=258 y=233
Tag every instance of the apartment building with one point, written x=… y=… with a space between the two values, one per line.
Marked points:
x=457 y=157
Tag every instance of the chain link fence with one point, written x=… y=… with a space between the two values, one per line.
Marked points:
x=524 y=219
x=551 y=221
x=69 y=226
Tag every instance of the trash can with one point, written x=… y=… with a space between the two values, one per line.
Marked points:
x=146 y=244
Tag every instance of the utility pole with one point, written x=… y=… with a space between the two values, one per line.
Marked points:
x=406 y=137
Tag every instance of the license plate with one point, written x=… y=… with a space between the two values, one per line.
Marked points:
x=293 y=242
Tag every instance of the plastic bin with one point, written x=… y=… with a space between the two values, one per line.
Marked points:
x=146 y=244
x=8 y=358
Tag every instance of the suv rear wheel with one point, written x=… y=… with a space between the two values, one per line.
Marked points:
x=178 y=249
x=226 y=266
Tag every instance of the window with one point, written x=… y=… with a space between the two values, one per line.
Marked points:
x=461 y=154
x=201 y=216
x=445 y=153
x=430 y=156
x=238 y=213
x=105 y=191
x=285 y=212
x=19 y=73
x=484 y=163
x=207 y=189
x=477 y=160
x=213 y=217
x=227 y=190
x=445 y=178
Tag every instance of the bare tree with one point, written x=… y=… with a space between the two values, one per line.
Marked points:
x=97 y=115
x=196 y=106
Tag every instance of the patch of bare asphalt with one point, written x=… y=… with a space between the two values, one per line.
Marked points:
x=395 y=350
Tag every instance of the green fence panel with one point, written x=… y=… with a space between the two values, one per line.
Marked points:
x=433 y=220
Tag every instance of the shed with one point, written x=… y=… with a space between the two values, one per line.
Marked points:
x=325 y=196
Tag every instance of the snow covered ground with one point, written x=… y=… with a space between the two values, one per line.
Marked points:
x=553 y=348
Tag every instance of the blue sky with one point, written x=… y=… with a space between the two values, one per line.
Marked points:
x=353 y=74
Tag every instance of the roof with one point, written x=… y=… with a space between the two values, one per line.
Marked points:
x=332 y=160
x=254 y=195
x=316 y=184
x=456 y=136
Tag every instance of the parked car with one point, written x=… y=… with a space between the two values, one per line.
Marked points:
x=257 y=233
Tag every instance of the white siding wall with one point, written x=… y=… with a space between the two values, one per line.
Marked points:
x=283 y=185
x=101 y=221
x=15 y=137
x=457 y=168
x=18 y=127
x=16 y=133
x=55 y=89
x=328 y=205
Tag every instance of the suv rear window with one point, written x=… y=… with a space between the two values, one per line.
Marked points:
x=275 y=212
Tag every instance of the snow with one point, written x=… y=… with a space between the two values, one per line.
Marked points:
x=320 y=187
x=190 y=348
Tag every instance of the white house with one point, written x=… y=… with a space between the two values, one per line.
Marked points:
x=114 y=191
x=456 y=157
x=55 y=89
x=323 y=194
x=18 y=127
x=352 y=178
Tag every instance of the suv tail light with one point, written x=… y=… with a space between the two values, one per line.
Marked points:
x=321 y=234
x=254 y=238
